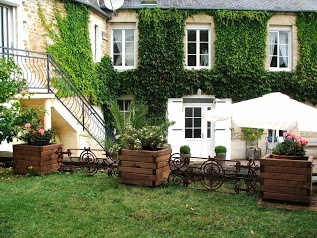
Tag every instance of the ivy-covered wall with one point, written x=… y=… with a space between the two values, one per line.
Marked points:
x=71 y=48
x=238 y=71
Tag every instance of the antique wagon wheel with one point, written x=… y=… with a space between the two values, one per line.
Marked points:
x=212 y=175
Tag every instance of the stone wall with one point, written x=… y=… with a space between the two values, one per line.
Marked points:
x=33 y=31
x=35 y=35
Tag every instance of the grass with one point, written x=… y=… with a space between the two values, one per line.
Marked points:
x=64 y=205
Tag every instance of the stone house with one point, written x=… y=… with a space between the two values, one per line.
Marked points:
x=114 y=30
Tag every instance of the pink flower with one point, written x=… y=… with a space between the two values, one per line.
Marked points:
x=292 y=136
x=27 y=126
x=40 y=131
x=303 y=141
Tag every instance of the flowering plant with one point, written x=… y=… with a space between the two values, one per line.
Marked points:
x=146 y=138
x=292 y=145
x=34 y=132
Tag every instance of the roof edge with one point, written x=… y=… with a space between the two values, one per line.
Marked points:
x=209 y=8
x=97 y=9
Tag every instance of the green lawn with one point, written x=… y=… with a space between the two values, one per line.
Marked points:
x=63 y=205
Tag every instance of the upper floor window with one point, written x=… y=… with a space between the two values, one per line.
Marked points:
x=198 y=46
x=7 y=26
x=96 y=43
x=280 y=49
x=123 y=48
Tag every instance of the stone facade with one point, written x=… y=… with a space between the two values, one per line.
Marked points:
x=33 y=31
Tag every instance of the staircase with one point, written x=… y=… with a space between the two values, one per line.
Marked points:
x=41 y=70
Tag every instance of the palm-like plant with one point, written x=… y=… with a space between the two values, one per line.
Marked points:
x=136 y=116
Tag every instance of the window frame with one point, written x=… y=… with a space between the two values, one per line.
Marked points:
x=96 y=42
x=125 y=98
x=8 y=28
x=124 y=27
x=198 y=28
x=290 y=56
x=193 y=127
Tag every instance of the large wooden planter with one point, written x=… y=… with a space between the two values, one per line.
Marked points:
x=144 y=167
x=39 y=159
x=286 y=179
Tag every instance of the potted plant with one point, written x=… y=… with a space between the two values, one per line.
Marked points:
x=144 y=157
x=184 y=150
x=38 y=154
x=292 y=145
x=251 y=136
x=34 y=134
x=287 y=173
x=220 y=151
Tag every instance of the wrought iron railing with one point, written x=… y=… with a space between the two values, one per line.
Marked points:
x=44 y=75
x=213 y=174
x=87 y=160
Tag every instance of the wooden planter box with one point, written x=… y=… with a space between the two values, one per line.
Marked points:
x=42 y=159
x=286 y=179
x=144 y=167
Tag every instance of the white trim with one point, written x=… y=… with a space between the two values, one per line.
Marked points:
x=128 y=26
x=279 y=29
x=10 y=33
x=13 y=3
x=197 y=28
x=96 y=42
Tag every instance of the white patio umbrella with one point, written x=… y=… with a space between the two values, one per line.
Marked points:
x=271 y=111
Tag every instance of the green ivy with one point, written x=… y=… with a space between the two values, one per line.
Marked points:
x=238 y=71
x=240 y=54
x=71 y=47
x=306 y=71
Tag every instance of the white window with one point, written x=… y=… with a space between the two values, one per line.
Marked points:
x=7 y=26
x=198 y=46
x=280 y=49
x=96 y=42
x=123 y=47
x=124 y=104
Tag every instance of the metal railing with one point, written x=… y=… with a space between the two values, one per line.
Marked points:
x=213 y=174
x=44 y=75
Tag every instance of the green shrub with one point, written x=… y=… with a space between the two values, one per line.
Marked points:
x=220 y=149
x=184 y=149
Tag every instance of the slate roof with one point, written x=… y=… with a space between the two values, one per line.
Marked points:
x=94 y=5
x=268 y=5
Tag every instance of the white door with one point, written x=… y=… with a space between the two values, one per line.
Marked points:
x=198 y=131
x=191 y=128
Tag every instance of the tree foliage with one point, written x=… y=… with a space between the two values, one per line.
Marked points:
x=12 y=117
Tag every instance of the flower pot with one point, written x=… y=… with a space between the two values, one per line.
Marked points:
x=144 y=167
x=286 y=178
x=39 y=142
x=186 y=158
x=39 y=160
x=221 y=157
x=293 y=157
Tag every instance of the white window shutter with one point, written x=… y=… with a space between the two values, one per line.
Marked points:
x=175 y=132
x=223 y=128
